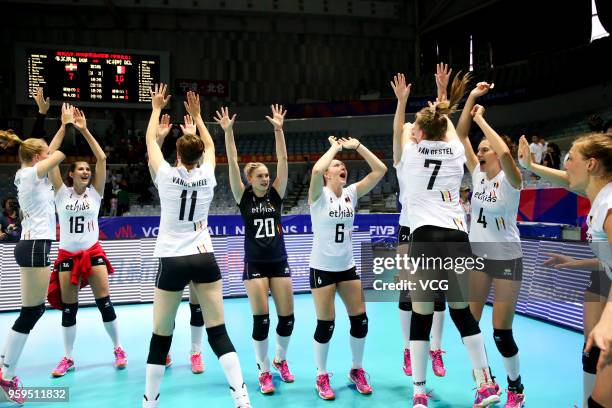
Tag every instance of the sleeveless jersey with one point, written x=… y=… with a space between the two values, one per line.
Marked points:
x=494 y=207
x=35 y=196
x=596 y=236
x=185 y=197
x=263 y=232
x=78 y=218
x=332 y=227
x=434 y=170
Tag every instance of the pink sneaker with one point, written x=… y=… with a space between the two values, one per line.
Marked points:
x=197 y=366
x=120 y=358
x=283 y=370
x=266 y=386
x=67 y=364
x=486 y=395
x=515 y=400
x=168 y=361
x=407 y=363
x=323 y=388
x=437 y=365
x=358 y=377
x=12 y=390
x=420 y=400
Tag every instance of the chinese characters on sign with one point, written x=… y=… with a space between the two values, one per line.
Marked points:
x=208 y=88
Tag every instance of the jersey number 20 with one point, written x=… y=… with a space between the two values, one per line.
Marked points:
x=266 y=232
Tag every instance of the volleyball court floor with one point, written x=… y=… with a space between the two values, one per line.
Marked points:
x=550 y=361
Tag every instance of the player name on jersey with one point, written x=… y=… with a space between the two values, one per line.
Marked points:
x=190 y=184
x=425 y=150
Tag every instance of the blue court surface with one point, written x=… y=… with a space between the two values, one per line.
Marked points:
x=550 y=360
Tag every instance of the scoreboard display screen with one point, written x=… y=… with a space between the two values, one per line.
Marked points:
x=89 y=77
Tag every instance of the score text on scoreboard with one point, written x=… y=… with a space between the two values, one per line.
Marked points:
x=93 y=77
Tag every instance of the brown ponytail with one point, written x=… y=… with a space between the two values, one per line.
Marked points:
x=27 y=148
x=432 y=119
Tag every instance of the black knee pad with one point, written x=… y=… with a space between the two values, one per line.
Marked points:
x=464 y=321
x=359 y=325
x=420 y=326
x=324 y=331
x=504 y=340
x=405 y=306
x=261 y=327
x=106 y=308
x=591 y=403
x=589 y=360
x=159 y=349
x=219 y=341
x=28 y=316
x=196 y=315
x=284 y=327
x=439 y=306
x=69 y=312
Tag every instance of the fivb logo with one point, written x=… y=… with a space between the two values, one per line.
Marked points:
x=382 y=230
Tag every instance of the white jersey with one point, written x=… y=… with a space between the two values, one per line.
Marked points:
x=332 y=220
x=596 y=236
x=404 y=185
x=35 y=197
x=78 y=218
x=433 y=171
x=185 y=197
x=494 y=207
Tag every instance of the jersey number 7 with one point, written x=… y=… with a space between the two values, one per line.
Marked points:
x=432 y=179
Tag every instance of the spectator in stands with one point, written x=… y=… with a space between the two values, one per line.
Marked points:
x=466 y=204
x=10 y=223
x=113 y=205
x=123 y=201
x=536 y=150
x=552 y=158
x=607 y=127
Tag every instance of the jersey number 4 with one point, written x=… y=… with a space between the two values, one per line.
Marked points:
x=265 y=228
x=432 y=179
x=194 y=196
x=482 y=219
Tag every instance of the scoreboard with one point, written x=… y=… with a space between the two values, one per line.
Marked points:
x=88 y=77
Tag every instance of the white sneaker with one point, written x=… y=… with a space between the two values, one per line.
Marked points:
x=241 y=397
x=150 y=404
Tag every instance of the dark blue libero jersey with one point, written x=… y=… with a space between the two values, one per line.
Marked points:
x=263 y=233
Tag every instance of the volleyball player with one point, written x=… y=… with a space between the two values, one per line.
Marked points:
x=185 y=248
x=265 y=257
x=196 y=322
x=402 y=132
x=433 y=163
x=494 y=235
x=332 y=267
x=589 y=172
x=81 y=259
x=35 y=195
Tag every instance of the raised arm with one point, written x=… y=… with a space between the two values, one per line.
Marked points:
x=319 y=169
x=508 y=165
x=158 y=101
x=192 y=105
x=442 y=75
x=81 y=124
x=227 y=124
x=43 y=107
x=400 y=138
x=465 y=120
x=365 y=185
x=282 y=166
x=55 y=176
x=557 y=177
x=163 y=129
